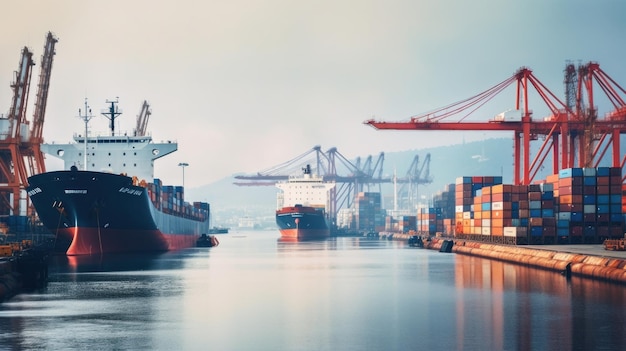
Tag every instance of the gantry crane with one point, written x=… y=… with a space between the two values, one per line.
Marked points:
x=564 y=131
x=20 y=153
x=350 y=178
x=33 y=147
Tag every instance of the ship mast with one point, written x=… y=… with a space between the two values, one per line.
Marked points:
x=86 y=117
x=112 y=113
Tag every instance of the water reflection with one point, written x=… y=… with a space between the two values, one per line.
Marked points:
x=254 y=292
x=537 y=306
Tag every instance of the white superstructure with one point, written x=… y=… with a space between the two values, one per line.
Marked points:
x=306 y=190
x=133 y=155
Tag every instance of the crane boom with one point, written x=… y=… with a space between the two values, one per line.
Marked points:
x=142 y=119
x=569 y=133
x=36 y=163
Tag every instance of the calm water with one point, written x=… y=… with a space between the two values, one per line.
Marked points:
x=255 y=293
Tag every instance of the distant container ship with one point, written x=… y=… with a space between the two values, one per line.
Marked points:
x=303 y=205
x=106 y=211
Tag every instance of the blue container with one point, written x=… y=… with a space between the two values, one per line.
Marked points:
x=534 y=205
x=589 y=181
x=603 y=209
x=486 y=206
x=615 y=199
x=615 y=217
x=536 y=231
x=565 y=173
x=562 y=223
x=603 y=171
x=547 y=212
x=615 y=208
x=545 y=187
x=523 y=222
x=589 y=199
x=603 y=199
x=562 y=231
x=589 y=230
x=535 y=213
x=589 y=172
x=577 y=217
x=547 y=195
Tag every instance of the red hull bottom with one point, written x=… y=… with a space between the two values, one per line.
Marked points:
x=304 y=234
x=90 y=241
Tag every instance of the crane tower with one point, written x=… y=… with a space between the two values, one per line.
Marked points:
x=20 y=153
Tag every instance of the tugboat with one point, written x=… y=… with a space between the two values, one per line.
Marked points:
x=207 y=241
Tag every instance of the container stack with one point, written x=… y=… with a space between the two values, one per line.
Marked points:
x=469 y=200
x=590 y=204
x=446 y=201
x=578 y=205
x=430 y=220
x=369 y=213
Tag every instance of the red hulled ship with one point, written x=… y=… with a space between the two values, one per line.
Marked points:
x=303 y=204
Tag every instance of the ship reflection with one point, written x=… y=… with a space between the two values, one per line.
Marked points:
x=109 y=263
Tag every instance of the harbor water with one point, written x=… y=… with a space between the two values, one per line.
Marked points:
x=254 y=292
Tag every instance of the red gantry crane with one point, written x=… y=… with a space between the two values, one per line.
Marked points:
x=574 y=136
x=20 y=153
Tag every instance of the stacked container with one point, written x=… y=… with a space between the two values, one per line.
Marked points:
x=469 y=200
x=578 y=205
x=369 y=213
x=429 y=220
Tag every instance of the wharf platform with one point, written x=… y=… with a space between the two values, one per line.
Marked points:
x=584 y=260
x=590 y=261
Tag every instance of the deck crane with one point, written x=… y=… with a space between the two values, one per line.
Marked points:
x=563 y=131
x=142 y=119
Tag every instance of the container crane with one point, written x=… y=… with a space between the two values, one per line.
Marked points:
x=332 y=164
x=19 y=146
x=33 y=148
x=12 y=168
x=563 y=132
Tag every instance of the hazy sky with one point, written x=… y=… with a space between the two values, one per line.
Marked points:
x=244 y=85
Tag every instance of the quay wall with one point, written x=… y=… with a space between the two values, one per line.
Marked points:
x=584 y=265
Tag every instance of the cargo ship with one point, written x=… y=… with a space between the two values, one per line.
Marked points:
x=96 y=207
x=303 y=207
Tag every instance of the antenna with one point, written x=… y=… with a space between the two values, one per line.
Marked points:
x=112 y=113
x=86 y=117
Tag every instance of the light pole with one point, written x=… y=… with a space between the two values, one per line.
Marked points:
x=183 y=165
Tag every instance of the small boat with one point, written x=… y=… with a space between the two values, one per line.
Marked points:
x=207 y=241
x=218 y=230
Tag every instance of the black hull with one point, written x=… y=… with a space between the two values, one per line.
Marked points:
x=105 y=213
x=302 y=223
